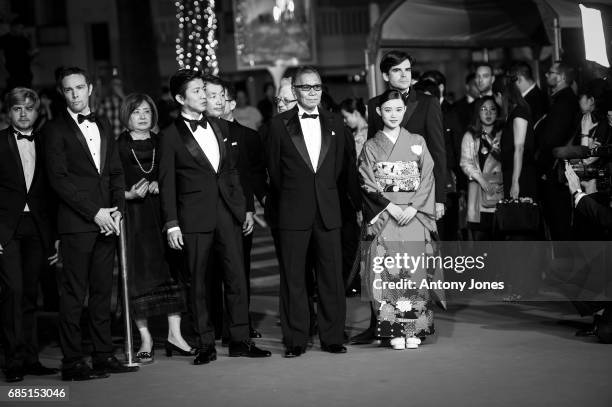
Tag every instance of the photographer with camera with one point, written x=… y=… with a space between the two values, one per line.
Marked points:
x=601 y=215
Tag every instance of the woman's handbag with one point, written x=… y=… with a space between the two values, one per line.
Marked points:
x=490 y=200
x=518 y=215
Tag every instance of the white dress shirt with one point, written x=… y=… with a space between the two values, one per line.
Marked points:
x=27 y=153
x=92 y=135
x=311 y=129
x=528 y=90
x=208 y=143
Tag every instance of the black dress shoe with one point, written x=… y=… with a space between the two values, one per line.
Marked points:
x=364 y=338
x=253 y=333
x=80 y=372
x=247 y=349
x=205 y=355
x=333 y=348
x=112 y=365
x=170 y=348
x=14 y=374
x=294 y=351
x=37 y=369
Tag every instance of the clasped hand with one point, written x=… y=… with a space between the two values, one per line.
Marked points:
x=108 y=219
x=403 y=217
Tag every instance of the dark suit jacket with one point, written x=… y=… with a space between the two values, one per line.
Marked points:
x=81 y=190
x=423 y=117
x=557 y=128
x=190 y=189
x=595 y=212
x=301 y=191
x=251 y=164
x=15 y=195
x=538 y=103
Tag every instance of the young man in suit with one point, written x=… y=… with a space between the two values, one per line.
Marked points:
x=309 y=161
x=531 y=92
x=204 y=209
x=85 y=171
x=26 y=233
x=220 y=103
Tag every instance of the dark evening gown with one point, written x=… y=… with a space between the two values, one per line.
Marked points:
x=153 y=267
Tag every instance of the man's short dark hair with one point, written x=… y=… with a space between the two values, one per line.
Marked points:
x=71 y=70
x=567 y=70
x=178 y=82
x=470 y=77
x=436 y=76
x=212 y=79
x=428 y=86
x=230 y=90
x=301 y=70
x=393 y=58
x=486 y=65
x=521 y=68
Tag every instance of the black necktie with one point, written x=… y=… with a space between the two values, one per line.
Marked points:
x=91 y=117
x=405 y=96
x=193 y=124
x=24 y=137
x=309 y=116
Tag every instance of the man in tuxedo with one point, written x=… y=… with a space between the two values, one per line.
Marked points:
x=85 y=171
x=26 y=233
x=204 y=209
x=220 y=103
x=531 y=92
x=556 y=130
x=309 y=162
x=423 y=116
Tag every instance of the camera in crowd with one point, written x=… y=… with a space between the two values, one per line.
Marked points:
x=581 y=160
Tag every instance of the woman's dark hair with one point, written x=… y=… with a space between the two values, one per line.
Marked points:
x=352 y=104
x=596 y=89
x=475 y=127
x=390 y=94
x=511 y=95
x=131 y=103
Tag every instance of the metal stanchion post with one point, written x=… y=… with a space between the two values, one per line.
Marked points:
x=129 y=356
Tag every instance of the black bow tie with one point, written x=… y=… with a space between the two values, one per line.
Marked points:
x=91 y=117
x=24 y=136
x=309 y=116
x=193 y=124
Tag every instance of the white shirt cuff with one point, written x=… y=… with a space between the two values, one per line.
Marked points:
x=172 y=229
x=578 y=197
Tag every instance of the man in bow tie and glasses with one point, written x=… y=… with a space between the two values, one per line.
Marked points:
x=204 y=208
x=85 y=171
x=26 y=233
x=310 y=162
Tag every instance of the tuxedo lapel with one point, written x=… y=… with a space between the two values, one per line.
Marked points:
x=292 y=124
x=326 y=135
x=15 y=150
x=192 y=145
x=80 y=137
x=103 y=144
x=221 y=137
x=411 y=105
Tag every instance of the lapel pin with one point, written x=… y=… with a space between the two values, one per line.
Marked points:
x=234 y=143
x=333 y=133
x=224 y=140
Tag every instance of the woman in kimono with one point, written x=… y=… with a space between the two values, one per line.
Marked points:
x=396 y=173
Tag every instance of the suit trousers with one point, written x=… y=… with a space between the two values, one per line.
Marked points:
x=20 y=268
x=88 y=266
x=326 y=251
x=225 y=241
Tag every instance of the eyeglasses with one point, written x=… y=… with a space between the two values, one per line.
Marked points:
x=284 y=101
x=488 y=110
x=552 y=73
x=308 y=88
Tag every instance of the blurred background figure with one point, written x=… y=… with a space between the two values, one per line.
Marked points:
x=110 y=105
x=266 y=105
x=18 y=54
x=246 y=114
x=354 y=112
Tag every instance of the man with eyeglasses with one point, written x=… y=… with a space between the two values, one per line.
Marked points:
x=309 y=161
x=555 y=130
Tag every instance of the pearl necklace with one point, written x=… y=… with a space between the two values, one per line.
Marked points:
x=140 y=165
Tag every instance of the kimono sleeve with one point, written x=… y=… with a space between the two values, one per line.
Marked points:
x=373 y=201
x=424 y=196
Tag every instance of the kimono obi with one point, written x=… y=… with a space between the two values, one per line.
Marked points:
x=397 y=176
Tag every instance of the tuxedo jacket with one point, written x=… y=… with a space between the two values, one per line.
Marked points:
x=251 y=164
x=73 y=175
x=15 y=194
x=190 y=189
x=595 y=212
x=423 y=117
x=301 y=191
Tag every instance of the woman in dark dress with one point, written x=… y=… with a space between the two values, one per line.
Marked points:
x=519 y=180
x=152 y=288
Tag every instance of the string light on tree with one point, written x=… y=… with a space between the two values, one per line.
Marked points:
x=196 y=41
